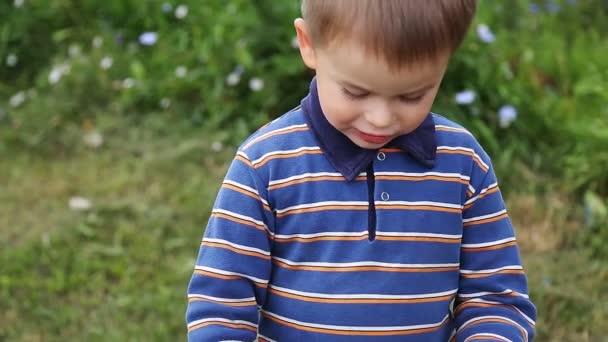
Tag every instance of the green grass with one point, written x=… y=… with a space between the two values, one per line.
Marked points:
x=569 y=289
x=119 y=271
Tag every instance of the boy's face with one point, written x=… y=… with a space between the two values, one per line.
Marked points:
x=363 y=98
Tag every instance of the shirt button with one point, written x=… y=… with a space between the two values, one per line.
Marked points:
x=381 y=156
x=385 y=196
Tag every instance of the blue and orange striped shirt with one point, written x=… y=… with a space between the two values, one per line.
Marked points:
x=313 y=239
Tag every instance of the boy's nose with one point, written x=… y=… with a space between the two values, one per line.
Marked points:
x=380 y=117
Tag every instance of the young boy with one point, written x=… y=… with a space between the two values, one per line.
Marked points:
x=360 y=215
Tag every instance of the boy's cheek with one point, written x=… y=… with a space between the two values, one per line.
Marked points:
x=339 y=111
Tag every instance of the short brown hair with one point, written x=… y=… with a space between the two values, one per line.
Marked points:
x=401 y=32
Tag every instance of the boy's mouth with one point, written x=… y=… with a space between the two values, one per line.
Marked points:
x=373 y=139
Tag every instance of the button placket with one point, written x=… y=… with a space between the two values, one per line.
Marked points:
x=381 y=156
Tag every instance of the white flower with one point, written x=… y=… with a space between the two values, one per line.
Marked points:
x=233 y=79
x=93 y=139
x=181 y=71
x=97 y=42
x=17 y=99
x=165 y=103
x=167 y=7
x=18 y=3
x=12 y=60
x=217 y=146
x=294 y=42
x=79 y=204
x=128 y=83
x=256 y=84
x=57 y=73
x=181 y=11
x=465 y=97
x=506 y=115
x=55 y=76
x=148 y=38
x=485 y=34
x=106 y=63
x=74 y=50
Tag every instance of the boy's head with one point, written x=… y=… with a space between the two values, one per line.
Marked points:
x=379 y=63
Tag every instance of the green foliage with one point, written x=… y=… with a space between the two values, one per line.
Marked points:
x=596 y=220
x=550 y=67
x=184 y=72
x=80 y=59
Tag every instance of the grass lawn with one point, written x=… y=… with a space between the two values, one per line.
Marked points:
x=119 y=271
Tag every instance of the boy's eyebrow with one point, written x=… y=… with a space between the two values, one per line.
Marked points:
x=417 y=91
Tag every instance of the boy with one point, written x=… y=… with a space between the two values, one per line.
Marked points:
x=360 y=215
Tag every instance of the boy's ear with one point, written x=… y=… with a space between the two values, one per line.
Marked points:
x=305 y=44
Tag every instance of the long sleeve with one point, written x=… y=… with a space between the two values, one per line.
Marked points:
x=233 y=266
x=493 y=302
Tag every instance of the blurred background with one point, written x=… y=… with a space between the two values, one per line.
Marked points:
x=118 y=119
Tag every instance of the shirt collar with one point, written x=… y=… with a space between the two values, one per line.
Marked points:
x=349 y=159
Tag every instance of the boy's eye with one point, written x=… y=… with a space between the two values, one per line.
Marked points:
x=353 y=95
x=411 y=99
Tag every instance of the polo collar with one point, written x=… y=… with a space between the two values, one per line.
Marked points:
x=349 y=159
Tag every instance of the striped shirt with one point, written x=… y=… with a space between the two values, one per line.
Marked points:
x=414 y=244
